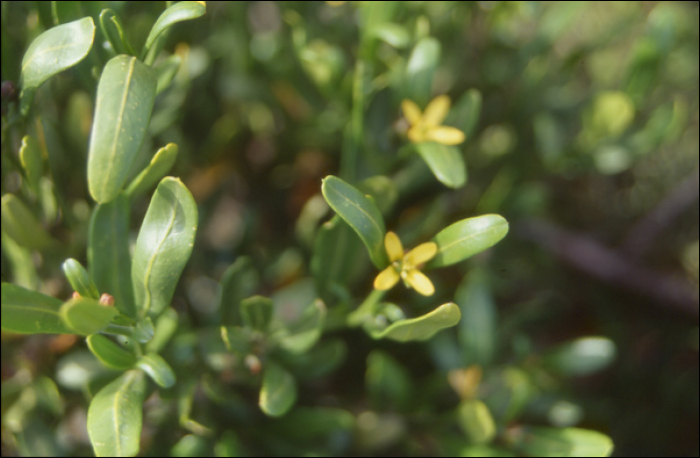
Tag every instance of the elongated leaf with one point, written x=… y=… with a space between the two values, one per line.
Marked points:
x=108 y=253
x=420 y=69
x=32 y=161
x=115 y=416
x=360 y=213
x=543 y=441
x=161 y=164
x=157 y=369
x=79 y=279
x=163 y=246
x=181 y=11
x=279 y=391
x=166 y=325
x=86 y=316
x=477 y=329
x=113 y=30
x=125 y=97
x=582 y=356
x=166 y=70
x=303 y=334
x=238 y=281
x=28 y=312
x=466 y=238
x=256 y=312
x=53 y=51
x=21 y=225
x=445 y=162
x=476 y=421
x=423 y=327
x=110 y=353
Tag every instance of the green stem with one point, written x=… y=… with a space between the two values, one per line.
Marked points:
x=366 y=309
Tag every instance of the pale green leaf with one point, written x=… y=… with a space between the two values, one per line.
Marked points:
x=157 y=369
x=446 y=163
x=423 y=327
x=86 y=316
x=279 y=391
x=110 y=353
x=20 y=224
x=476 y=421
x=79 y=279
x=181 y=11
x=574 y=442
x=28 y=312
x=162 y=162
x=466 y=238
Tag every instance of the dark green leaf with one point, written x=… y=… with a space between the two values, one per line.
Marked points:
x=279 y=391
x=485 y=451
x=477 y=329
x=306 y=331
x=360 y=213
x=157 y=369
x=21 y=225
x=420 y=69
x=466 y=238
x=388 y=383
x=256 y=312
x=79 y=279
x=238 y=281
x=582 y=356
x=162 y=162
x=181 y=11
x=476 y=421
x=65 y=11
x=542 y=441
x=113 y=30
x=423 y=327
x=53 y=51
x=163 y=246
x=465 y=113
x=110 y=353
x=108 y=253
x=445 y=162
x=29 y=312
x=312 y=423
x=86 y=316
x=125 y=97
x=115 y=416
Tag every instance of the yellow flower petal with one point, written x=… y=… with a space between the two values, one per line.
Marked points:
x=386 y=279
x=416 y=134
x=420 y=282
x=436 y=111
x=446 y=135
x=420 y=254
x=393 y=246
x=411 y=111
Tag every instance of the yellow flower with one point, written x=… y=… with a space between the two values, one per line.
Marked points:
x=403 y=266
x=425 y=127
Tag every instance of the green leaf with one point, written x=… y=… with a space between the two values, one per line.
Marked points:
x=113 y=30
x=125 y=98
x=485 y=451
x=65 y=11
x=476 y=421
x=446 y=163
x=466 y=238
x=279 y=391
x=582 y=356
x=236 y=339
x=166 y=70
x=320 y=360
x=383 y=190
x=304 y=333
x=28 y=312
x=420 y=69
x=157 y=369
x=86 y=316
x=115 y=416
x=423 y=327
x=32 y=162
x=181 y=11
x=110 y=353
x=465 y=113
x=238 y=281
x=79 y=279
x=162 y=162
x=360 y=213
x=477 y=329
x=256 y=312
x=388 y=383
x=312 y=423
x=163 y=246
x=109 y=262
x=543 y=441
x=166 y=325
x=53 y=51
x=20 y=224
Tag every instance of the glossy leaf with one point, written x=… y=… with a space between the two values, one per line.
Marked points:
x=181 y=11
x=361 y=213
x=446 y=163
x=423 y=327
x=582 y=356
x=79 y=279
x=477 y=329
x=466 y=238
x=476 y=421
x=113 y=30
x=32 y=161
x=55 y=50
x=304 y=333
x=162 y=162
x=238 y=281
x=20 y=224
x=279 y=391
x=110 y=353
x=256 y=312
x=163 y=246
x=115 y=416
x=543 y=441
x=109 y=262
x=125 y=97
x=86 y=316
x=28 y=312
x=420 y=69
x=157 y=369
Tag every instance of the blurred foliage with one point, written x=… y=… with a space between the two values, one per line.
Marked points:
x=588 y=120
